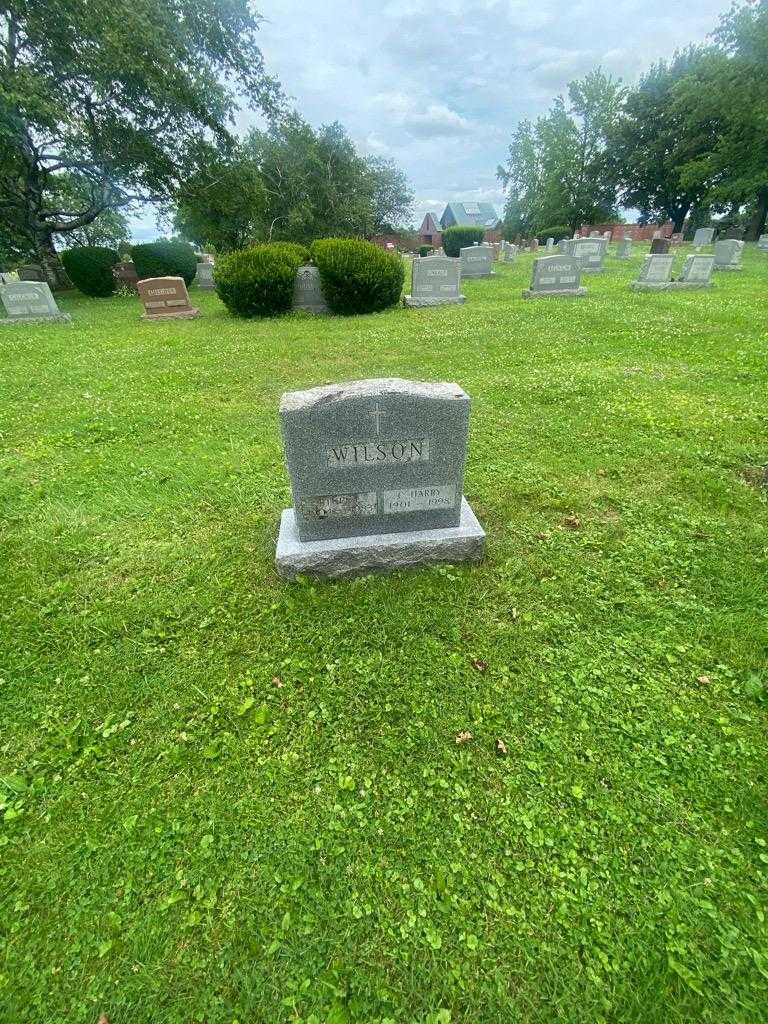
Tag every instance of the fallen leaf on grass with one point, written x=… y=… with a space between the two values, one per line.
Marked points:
x=103 y=1019
x=544 y=535
x=500 y=747
x=478 y=664
x=704 y=680
x=463 y=737
x=277 y=682
x=572 y=522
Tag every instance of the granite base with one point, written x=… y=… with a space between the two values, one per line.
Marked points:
x=418 y=302
x=354 y=556
x=186 y=314
x=60 y=318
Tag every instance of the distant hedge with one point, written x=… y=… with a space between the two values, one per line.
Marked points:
x=459 y=237
x=425 y=250
x=165 y=259
x=89 y=268
x=557 y=232
x=358 y=276
x=259 y=281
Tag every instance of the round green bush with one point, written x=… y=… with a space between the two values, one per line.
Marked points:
x=460 y=236
x=557 y=232
x=259 y=281
x=165 y=259
x=358 y=276
x=89 y=268
x=425 y=250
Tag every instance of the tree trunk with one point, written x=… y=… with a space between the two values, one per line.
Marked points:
x=49 y=260
x=678 y=213
x=756 y=224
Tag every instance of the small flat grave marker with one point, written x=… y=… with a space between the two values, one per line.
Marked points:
x=165 y=298
x=555 y=276
x=655 y=273
x=377 y=475
x=435 y=281
x=308 y=291
x=30 y=302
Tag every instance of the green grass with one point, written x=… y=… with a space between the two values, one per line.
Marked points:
x=185 y=840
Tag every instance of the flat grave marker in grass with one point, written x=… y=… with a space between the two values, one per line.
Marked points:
x=377 y=475
x=728 y=253
x=435 y=281
x=655 y=273
x=554 y=276
x=29 y=302
x=166 y=298
x=308 y=292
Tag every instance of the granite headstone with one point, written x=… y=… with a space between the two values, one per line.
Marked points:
x=660 y=246
x=624 y=250
x=204 y=276
x=555 y=276
x=29 y=302
x=165 y=298
x=308 y=290
x=591 y=252
x=377 y=475
x=435 y=281
x=697 y=272
x=655 y=273
x=476 y=261
x=703 y=236
x=728 y=254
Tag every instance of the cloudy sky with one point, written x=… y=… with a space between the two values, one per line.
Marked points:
x=438 y=85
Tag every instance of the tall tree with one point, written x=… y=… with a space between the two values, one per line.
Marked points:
x=557 y=171
x=724 y=102
x=651 y=145
x=222 y=204
x=117 y=94
x=315 y=183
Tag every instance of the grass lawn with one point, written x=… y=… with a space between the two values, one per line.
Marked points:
x=231 y=799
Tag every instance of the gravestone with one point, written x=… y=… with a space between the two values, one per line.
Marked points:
x=703 y=236
x=607 y=236
x=591 y=252
x=697 y=272
x=31 y=272
x=728 y=254
x=30 y=302
x=655 y=273
x=660 y=246
x=308 y=290
x=624 y=250
x=377 y=474
x=435 y=281
x=677 y=238
x=762 y=243
x=562 y=246
x=509 y=251
x=555 y=276
x=656 y=234
x=550 y=244
x=204 y=276
x=125 y=275
x=594 y=234
x=476 y=261
x=534 y=245
x=165 y=298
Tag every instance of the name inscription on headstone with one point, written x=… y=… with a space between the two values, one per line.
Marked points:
x=378 y=453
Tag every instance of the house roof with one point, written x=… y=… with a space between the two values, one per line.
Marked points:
x=429 y=226
x=479 y=214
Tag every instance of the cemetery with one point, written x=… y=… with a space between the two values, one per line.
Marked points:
x=380 y=644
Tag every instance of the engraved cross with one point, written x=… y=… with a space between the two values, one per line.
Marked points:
x=378 y=415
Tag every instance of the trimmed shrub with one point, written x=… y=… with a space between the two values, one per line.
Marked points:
x=358 y=276
x=460 y=236
x=425 y=250
x=165 y=259
x=557 y=232
x=89 y=268
x=259 y=281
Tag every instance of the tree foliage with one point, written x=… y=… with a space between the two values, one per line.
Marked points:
x=118 y=95
x=557 y=169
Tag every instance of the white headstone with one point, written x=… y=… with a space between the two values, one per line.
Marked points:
x=728 y=254
x=655 y=273
x=436 y=281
